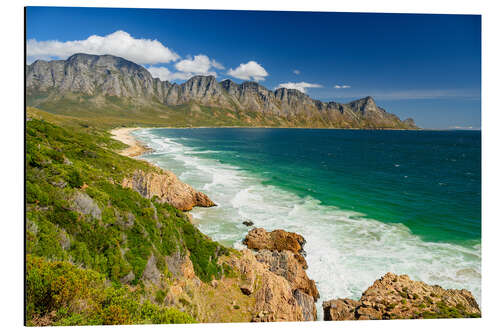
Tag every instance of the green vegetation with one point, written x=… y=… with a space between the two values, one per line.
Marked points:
x=59 y=293
x=403 y=294
x=79 y=214
x=445 y=311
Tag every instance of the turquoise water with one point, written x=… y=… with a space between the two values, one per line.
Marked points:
x=367 y=202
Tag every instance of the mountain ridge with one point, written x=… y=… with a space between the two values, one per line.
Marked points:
x=111 y=76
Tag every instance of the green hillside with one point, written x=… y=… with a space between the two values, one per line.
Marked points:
x=86 y=234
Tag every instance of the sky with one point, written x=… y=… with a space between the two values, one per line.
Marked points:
x=427 y=67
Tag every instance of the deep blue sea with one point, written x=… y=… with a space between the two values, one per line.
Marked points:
x=367 y=202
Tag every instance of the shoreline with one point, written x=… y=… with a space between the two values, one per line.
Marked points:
x=295 y=127
x=306 y=128
x=135 y=147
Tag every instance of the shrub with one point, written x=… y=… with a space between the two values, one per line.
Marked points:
x=74 y=179
x=81 y=297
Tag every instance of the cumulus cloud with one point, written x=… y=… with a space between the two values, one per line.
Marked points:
x=344 y=86
x=249 y=71
x=189 y=67
x=217 y=65
x=199 y=65
x=296 y=72
x=164 y=74
x=119 y=43
x=300 y=86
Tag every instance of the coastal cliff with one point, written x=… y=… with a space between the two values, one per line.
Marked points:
x=115 y=87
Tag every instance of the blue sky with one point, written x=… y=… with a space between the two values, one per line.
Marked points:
x=427 y=67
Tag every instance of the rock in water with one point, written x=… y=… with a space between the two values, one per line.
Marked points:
x=260 y=239
x=168 y=188
x=248 y=223
x=398 y=297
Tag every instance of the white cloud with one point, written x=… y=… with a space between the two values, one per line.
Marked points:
x=199 y=65
x=250 y=70
x=164 y=74
x=119 y=43
x=300 y=86
x=217 y=65
x=296 y=72
x=344 y=86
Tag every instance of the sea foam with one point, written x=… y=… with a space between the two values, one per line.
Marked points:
x=346 y=252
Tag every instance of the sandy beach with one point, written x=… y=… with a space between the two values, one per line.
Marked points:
x=135 y=148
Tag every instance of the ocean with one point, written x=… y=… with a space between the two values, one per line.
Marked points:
x=366 y=201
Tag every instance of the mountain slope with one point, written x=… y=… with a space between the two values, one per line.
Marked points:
x=83 y=83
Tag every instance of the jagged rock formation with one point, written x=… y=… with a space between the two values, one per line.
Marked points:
x=281 y=253
x=274 y=299
x=398 y=297
x=264 y=295
x=107 y=75
x=279 y=240
x=168 y=188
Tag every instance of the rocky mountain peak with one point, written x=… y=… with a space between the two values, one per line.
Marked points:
x=365 y=106
x=108 y=75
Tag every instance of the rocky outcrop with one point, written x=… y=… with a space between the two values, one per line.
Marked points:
x=180 y=266
x=107 y=75
x=279 y=240
x=274 y=298
x=397 y=296
x=283 y=263
x=282 y=254
x=151 y=273
x=83 y=203
x=168 y=188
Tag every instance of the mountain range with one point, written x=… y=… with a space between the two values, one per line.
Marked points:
x=104 y=83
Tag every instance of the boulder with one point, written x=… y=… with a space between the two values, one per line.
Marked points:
x=398 y=297
x=248 y=223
